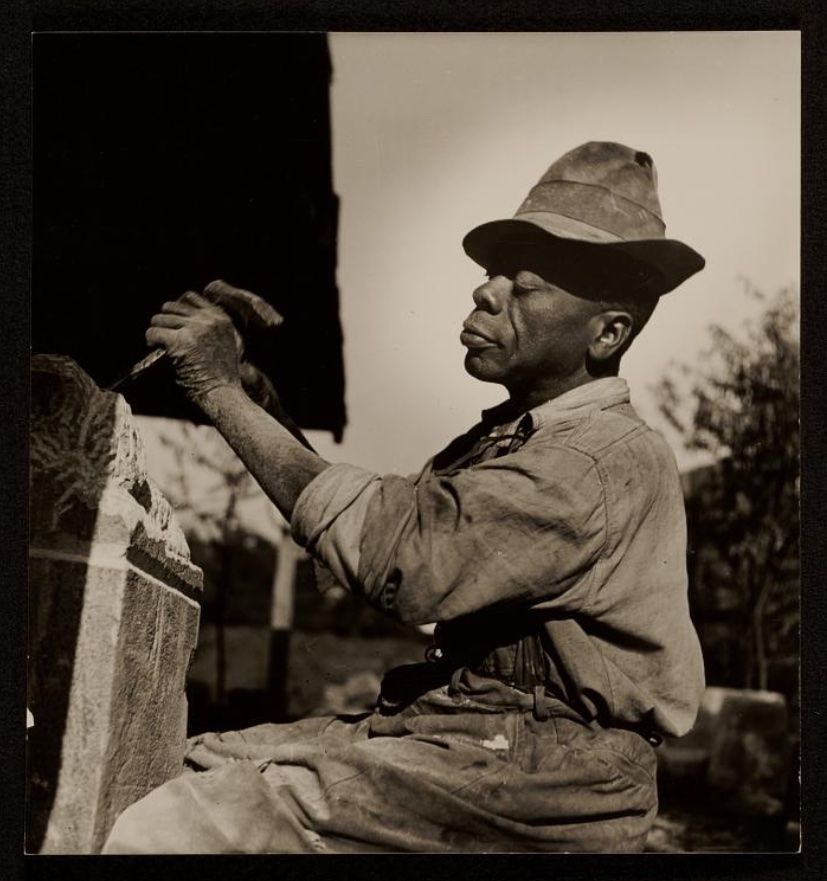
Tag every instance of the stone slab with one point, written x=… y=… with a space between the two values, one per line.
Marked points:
x=738 y=749
x=113 y=616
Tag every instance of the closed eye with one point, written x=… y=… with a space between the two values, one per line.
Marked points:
x=524 y=282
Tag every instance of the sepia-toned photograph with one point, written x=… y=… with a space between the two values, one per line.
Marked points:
x=414 y=443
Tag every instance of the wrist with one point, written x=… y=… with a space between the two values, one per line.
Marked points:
x=217 y=400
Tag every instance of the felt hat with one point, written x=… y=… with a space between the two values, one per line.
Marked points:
x=598 y=199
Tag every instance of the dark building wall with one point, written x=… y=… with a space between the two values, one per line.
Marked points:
x=162 y=161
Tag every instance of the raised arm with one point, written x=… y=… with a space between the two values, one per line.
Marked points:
x=200 y=340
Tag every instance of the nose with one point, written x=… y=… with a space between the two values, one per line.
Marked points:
x=490 y=296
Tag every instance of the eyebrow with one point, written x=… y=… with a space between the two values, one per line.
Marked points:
x=533 y=277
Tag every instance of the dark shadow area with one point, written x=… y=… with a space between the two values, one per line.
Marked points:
x=331 y=660
x=693 y=820
x=52 y=642
x=163 y=161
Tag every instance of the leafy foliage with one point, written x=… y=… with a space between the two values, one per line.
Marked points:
x=207 y=481
x=742 y=407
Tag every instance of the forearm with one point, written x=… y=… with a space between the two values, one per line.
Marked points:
x=278 y=461
x=259 y=387
x=283 y=418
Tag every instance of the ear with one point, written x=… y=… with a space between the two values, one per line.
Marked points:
x=610 y=331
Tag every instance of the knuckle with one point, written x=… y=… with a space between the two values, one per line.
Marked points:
x=216 y=284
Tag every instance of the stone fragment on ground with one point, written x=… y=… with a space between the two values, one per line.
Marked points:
x=739 y=750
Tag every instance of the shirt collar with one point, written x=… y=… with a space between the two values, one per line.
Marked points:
x=599 y=394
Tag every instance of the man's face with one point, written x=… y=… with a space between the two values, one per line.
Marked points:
x=525 y=331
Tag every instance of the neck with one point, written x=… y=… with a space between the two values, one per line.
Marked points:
x=527 y=398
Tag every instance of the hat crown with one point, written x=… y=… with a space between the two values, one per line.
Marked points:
x=597 y=202
x=606 y=186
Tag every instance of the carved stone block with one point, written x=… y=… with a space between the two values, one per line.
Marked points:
x=113 y=616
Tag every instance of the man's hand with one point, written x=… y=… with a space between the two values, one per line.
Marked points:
x=205 y=349
x=201 y=342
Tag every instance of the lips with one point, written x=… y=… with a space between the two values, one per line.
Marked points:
x=475 y=339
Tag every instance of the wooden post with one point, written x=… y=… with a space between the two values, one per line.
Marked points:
x=281 y=623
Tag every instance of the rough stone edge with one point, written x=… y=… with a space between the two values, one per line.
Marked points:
x=101 y=478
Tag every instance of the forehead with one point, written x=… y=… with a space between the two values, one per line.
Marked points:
x=562 y=267
x=587 y=271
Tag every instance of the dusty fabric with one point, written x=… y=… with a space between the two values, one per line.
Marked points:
x=563 y=527
x=550 y=547
x=447 y=774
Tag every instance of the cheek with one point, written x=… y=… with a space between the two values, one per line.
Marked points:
x=553 y=343
x=533 y=337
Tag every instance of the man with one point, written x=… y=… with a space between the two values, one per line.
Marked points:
x=548 y=543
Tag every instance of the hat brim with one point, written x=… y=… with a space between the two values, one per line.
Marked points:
x=670 y=262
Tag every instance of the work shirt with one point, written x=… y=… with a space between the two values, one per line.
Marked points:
x=550 y=547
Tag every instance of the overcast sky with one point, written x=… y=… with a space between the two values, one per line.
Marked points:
x=436 y=133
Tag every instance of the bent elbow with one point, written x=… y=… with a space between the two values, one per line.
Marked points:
x=405 y=598
x=423 y=608
x=414 y=614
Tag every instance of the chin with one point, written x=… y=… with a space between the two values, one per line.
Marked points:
x=478 y=368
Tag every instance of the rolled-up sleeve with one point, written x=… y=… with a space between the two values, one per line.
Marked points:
x=329 y=515
x=527 y=527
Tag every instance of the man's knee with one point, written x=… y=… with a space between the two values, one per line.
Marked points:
x=230 y=809
x=157 y=823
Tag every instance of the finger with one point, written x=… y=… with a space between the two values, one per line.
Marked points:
x=160 y=336
x=201 y=306
x=179 y=307
x=194 y=299
x=229 y=297
x=218 y=288
x=239 y=342
x=163 y=319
